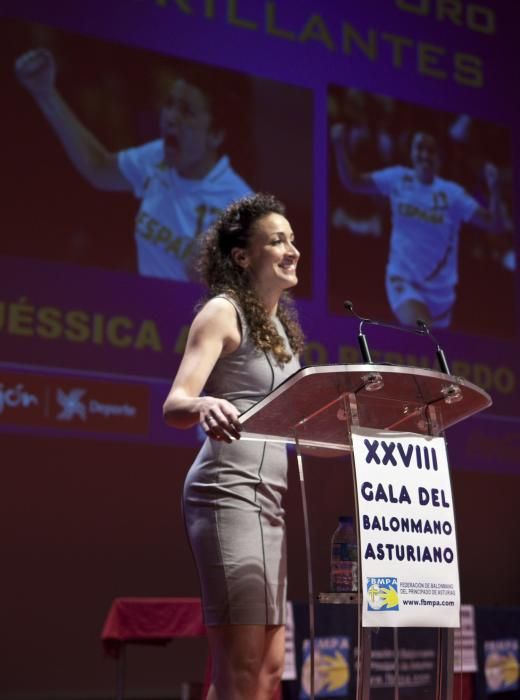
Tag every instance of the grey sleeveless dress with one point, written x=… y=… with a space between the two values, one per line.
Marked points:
x=232 y=500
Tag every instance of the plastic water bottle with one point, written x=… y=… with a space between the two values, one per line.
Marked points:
x=344 y=556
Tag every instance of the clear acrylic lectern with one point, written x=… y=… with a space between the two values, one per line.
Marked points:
x=316 y=408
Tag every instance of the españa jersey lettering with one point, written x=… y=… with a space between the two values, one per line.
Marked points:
x=174 y=210
x=426 y=220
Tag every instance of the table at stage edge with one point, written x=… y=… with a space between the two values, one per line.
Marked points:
x=151 y=621
x=142 y=620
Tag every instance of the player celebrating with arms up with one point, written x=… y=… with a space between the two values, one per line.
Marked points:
x=427 y=213
x=181 y=179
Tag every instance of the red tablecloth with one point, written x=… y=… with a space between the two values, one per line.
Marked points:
x=154 y=621
x=151 y=621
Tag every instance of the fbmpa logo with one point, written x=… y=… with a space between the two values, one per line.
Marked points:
x=71 y=404
x=382 y=593
x=501 y=666
x=331 y=668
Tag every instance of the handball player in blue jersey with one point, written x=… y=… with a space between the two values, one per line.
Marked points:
x=427 y=214
x=181 y=179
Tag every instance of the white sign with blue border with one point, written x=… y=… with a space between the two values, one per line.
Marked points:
x=408 y=547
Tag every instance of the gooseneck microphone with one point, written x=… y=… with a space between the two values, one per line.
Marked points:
x=422 y=329
x=441 y=357
x=362 y=339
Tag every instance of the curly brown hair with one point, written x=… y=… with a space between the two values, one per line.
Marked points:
x=233 y=229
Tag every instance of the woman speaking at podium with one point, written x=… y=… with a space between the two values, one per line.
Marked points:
x=243 y=342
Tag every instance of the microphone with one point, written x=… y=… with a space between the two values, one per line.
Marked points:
x=441 y=357
x=422 y=329
x=362 y=339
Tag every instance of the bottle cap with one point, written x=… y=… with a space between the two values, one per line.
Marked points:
x=346 y=519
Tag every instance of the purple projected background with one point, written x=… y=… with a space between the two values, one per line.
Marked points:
x=78 y=316
x=88 y=346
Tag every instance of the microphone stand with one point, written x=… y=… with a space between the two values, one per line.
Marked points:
x=423 y=329
x=441 y=357
x=363 y=346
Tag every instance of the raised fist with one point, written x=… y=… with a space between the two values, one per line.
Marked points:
x=36 y=70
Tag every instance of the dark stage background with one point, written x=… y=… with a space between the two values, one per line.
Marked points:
x=91 y=501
